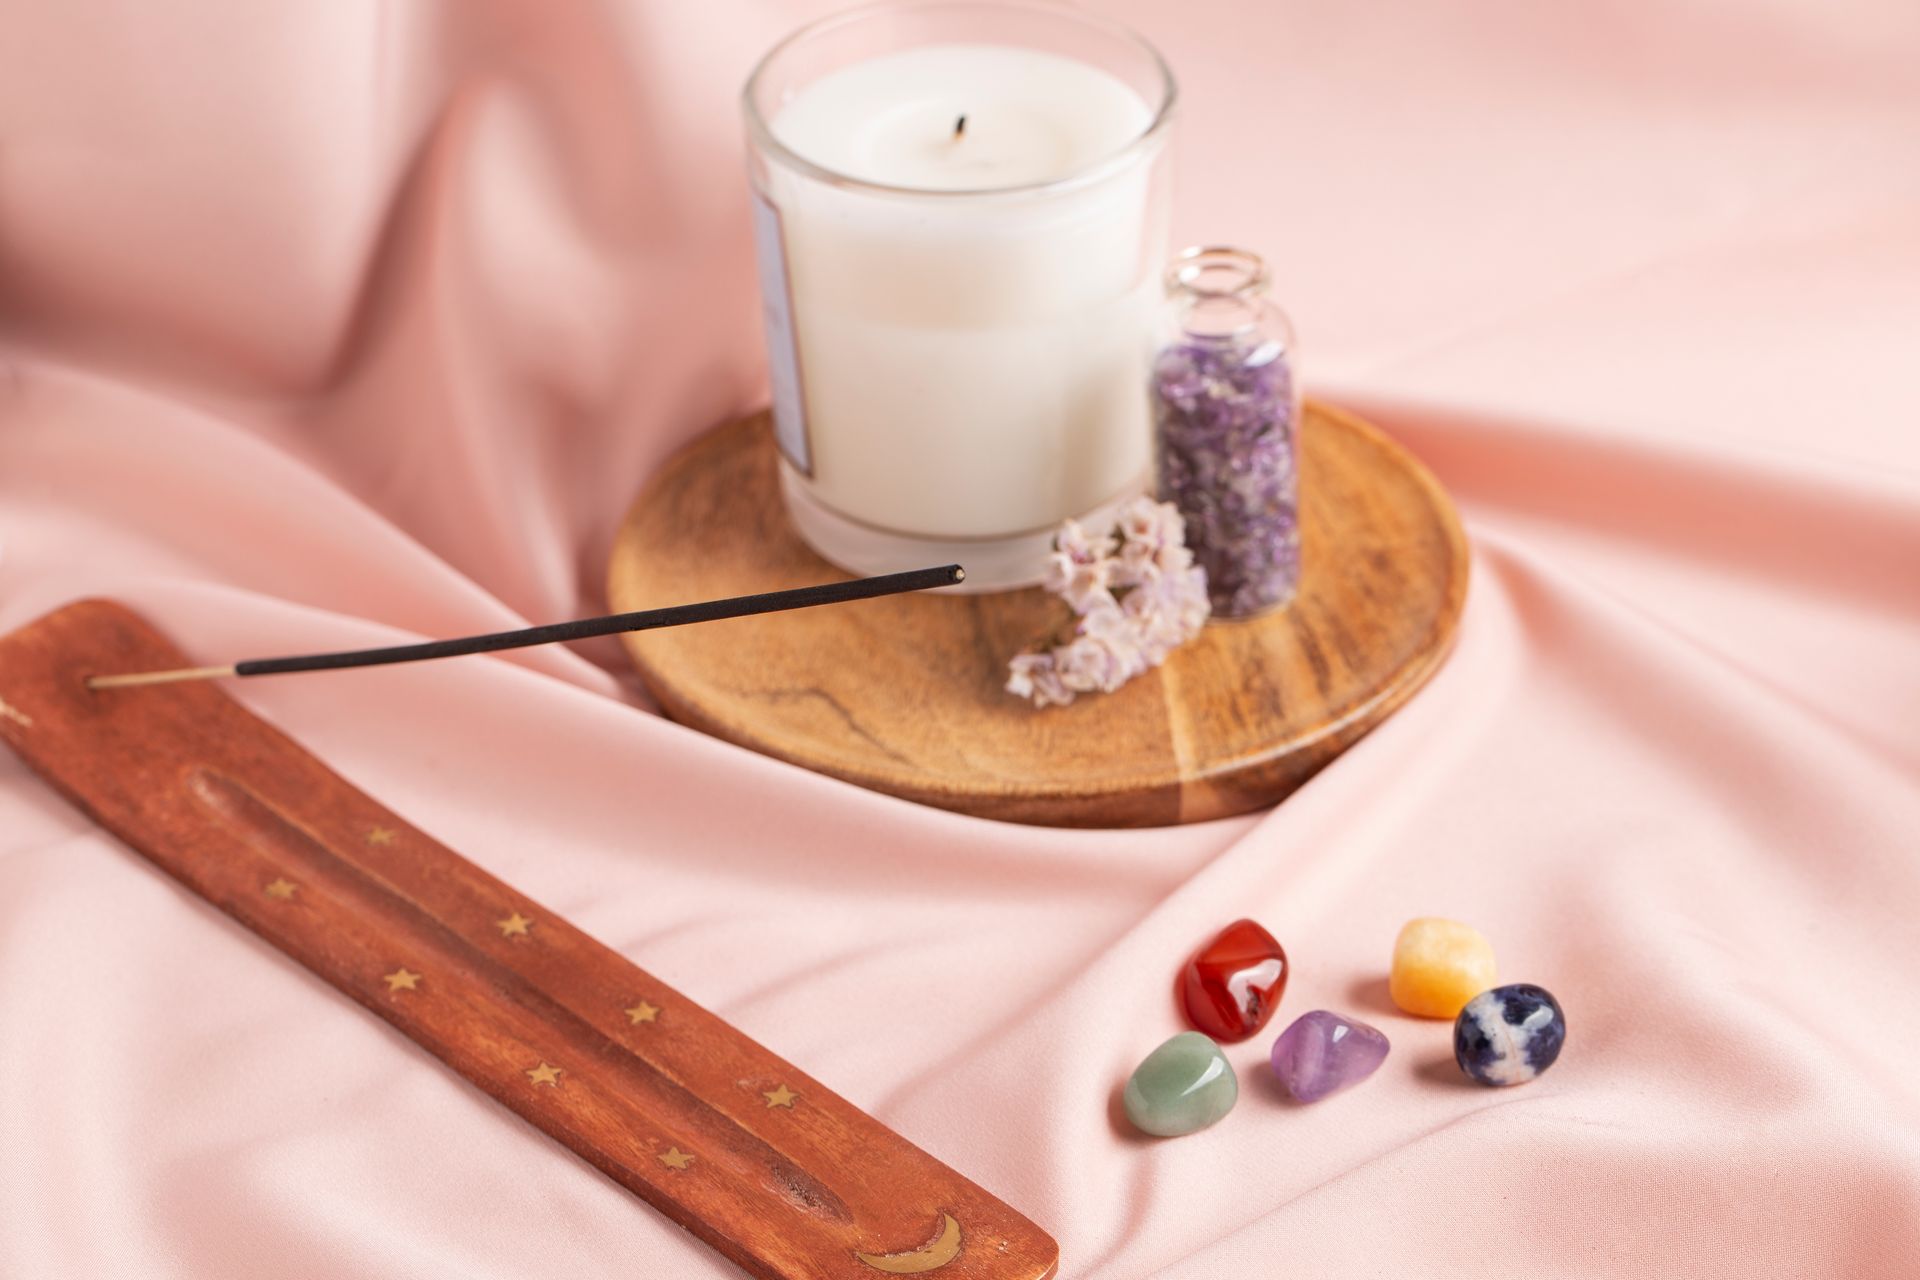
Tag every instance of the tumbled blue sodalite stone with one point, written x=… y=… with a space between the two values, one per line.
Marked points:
x=1509 y=1035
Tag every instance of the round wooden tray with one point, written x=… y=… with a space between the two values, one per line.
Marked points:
x=904 y=694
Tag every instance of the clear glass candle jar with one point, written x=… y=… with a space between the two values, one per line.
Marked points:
x=961 y=211
x=1226 y=405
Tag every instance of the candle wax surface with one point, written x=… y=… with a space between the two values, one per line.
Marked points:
x=1031 y=117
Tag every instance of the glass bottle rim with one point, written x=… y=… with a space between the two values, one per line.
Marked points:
x=760 y=129
x=1242 y=272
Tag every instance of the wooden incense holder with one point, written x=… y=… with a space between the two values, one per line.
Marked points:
x=741 y=1148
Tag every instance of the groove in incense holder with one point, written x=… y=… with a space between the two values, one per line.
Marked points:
x=743 y=1149
x=542 y=1025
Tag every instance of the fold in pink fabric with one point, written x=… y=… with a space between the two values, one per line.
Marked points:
x=337 y=324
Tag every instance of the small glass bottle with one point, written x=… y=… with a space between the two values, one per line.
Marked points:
x=1226 y=411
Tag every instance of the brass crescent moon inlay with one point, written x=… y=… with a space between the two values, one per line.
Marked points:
x=936 y=1253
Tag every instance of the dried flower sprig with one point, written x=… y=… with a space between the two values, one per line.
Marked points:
x=1136 y=595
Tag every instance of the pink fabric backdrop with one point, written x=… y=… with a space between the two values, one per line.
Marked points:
x=333 y=324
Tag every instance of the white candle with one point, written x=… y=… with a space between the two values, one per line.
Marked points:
x=952 y=367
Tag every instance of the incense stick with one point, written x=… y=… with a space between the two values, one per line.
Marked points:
x=678 y=615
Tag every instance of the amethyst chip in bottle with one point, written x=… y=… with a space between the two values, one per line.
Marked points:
x=1226 y=413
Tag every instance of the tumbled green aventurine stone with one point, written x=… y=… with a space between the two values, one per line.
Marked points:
x=1181 y=1087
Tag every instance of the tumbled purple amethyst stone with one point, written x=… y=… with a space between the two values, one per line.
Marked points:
x=1322 y=1053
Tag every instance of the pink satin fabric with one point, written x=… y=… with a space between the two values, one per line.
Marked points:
x=333 y=324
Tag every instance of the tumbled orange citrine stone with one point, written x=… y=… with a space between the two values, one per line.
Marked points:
x=1439 y=965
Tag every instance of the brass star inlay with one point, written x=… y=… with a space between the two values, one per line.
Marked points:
x=781 y=1097
x=282 y=889
x=544 y=1074
x=402 y=980
x=642 y=1012
x=676 y=1158
x=381 y=835
x=514 y=926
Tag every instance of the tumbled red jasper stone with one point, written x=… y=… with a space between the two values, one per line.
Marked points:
x=1233 y=985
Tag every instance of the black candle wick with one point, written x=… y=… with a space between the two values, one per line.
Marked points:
x=960 y=128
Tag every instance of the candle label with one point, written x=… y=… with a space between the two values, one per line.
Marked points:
x=783 y=353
